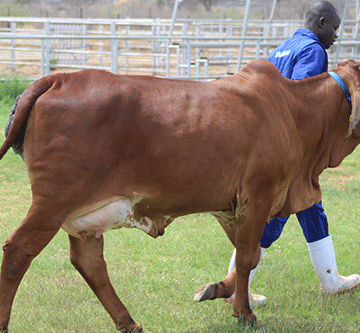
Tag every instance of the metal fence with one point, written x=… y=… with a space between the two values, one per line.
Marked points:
x=198 y=49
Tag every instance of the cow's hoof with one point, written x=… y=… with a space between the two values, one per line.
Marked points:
x=206 y=292
x=135 y=328
x=248 y=320
x=4 y=329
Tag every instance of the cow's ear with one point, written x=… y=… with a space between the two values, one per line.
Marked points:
x=355 y=102
x=353 y=123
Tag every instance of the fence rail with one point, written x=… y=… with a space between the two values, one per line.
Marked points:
x=197 y=49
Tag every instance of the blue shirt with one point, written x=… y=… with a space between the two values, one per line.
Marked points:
x=300 y=56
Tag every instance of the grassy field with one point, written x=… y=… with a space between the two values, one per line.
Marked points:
x=156 y=279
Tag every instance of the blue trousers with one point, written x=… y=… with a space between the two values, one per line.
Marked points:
x=313 y=222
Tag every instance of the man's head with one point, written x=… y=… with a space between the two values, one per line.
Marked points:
x=323 y=19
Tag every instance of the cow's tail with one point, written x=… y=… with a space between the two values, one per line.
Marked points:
x=23 y=108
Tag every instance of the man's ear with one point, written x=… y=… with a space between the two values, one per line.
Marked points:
x=321 y=22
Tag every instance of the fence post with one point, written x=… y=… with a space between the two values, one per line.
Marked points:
x=154 y=33
x=173 y=19
x=197 y=34
x=185 y=50
x=243 y=35
x=171 y=30
x=127 y=45
x=229 y=52
x=268 y=28
x=167 y=68
x=43 y=46
x=178 y=57
x=341 y=33
x=189 y=57
x=356 y=32
x=355 y=49
x=101 y=45
x=48 y=48
x=114 y=49
x=84 y=44
x=13 y=46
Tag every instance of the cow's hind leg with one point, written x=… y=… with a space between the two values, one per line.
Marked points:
x=87 y=257
x=20 y=248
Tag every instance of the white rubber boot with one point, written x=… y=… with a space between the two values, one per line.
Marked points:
x=323 y=259
x=254 y=299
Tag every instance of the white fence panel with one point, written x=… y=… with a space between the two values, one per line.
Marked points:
x=198 y=49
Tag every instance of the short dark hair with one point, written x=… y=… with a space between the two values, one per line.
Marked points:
x=320 y=9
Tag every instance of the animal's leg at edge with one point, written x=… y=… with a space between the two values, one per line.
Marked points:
x=87 y=258
x=20 y=248
x=226 y=287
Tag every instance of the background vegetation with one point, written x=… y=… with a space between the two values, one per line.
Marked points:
x=156 y=279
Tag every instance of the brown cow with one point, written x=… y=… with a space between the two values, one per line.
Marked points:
x=104 y=151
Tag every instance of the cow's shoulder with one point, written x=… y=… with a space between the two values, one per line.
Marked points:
x=260 y=66
x=256 y=74
x=261 y=72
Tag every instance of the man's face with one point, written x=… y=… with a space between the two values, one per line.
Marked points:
x=329 y=27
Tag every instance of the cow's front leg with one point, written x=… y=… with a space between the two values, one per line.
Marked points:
x=248 y=234
x=87 y=257
x=243 y=261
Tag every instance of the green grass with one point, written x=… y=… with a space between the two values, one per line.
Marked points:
x=11 y=88
x=156 y=279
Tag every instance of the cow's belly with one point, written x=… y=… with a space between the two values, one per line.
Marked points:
x=114 y=215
